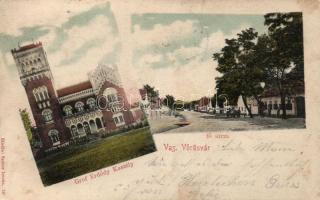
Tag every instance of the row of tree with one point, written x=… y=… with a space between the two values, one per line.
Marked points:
x=153 y=94
x=172 y=103
x=274 y=58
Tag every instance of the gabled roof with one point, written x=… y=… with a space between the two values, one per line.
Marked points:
x=74 y=88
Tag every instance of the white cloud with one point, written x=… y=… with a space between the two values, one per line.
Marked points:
x=17 y=14
x=187 y=53
x=48 y=38
x=8 y=59
x=56 y=14
x=214 y=42
x=162 y=34
x=148 y=59
x=98 y=29
x=186 y=82
x=65 y=74
x=191 y=80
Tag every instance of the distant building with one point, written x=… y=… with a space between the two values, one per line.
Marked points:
x=76 y=111
x=295 y=104
x=203 y=104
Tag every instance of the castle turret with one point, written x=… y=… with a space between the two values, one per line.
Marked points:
x=36 y=77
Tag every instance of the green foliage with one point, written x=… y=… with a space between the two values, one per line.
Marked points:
x=26 y=123
x=236 y=61
x=169 y=101
x=283 y=53
x=79 y=160
x=285 y=50
x=287 y=31
x=275 y=58
x=221 y=100
x=151 y=91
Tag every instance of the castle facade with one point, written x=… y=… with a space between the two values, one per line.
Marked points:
x=64 y=115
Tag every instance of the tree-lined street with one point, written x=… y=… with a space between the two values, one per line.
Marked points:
x=261 y=76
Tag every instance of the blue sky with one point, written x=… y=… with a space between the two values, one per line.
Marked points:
x=174 y=51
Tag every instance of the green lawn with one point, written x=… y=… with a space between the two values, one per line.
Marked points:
x=76 y=161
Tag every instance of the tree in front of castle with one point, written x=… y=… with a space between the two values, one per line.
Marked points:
x=27 y=124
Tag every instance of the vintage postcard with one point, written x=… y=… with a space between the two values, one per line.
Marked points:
x=162 y=100
x=75 y=111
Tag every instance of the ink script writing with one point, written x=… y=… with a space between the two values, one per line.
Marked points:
x=228 y=165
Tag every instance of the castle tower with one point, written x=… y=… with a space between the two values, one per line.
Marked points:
x=106 y=83
x=36 y=77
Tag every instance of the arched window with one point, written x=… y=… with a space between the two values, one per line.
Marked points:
x=36 y=96
x=47 y=115
x=74 y=130
x=121 y=118
x=41 y=93
x=80 y=129
x=114 y=102
x=111 y=94
x=79 y=106
x=46 y=94
x=54 y=135
x=67 y=110
x=41 y=96
x=86 y=128
x=98 y=122
x=91 y=103
x=93 y=126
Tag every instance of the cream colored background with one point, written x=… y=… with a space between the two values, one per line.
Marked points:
x=22 y=180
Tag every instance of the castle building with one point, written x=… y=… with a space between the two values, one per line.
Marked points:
x=61 y=116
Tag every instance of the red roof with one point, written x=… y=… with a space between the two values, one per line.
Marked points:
x=27 y=47
x=74 y=88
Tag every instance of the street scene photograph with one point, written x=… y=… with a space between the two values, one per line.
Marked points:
x=220 y=72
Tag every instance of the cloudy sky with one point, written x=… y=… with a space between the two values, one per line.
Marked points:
x=173 y=52
x=76 y=38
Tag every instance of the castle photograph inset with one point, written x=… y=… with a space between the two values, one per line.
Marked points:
x=83 y=120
